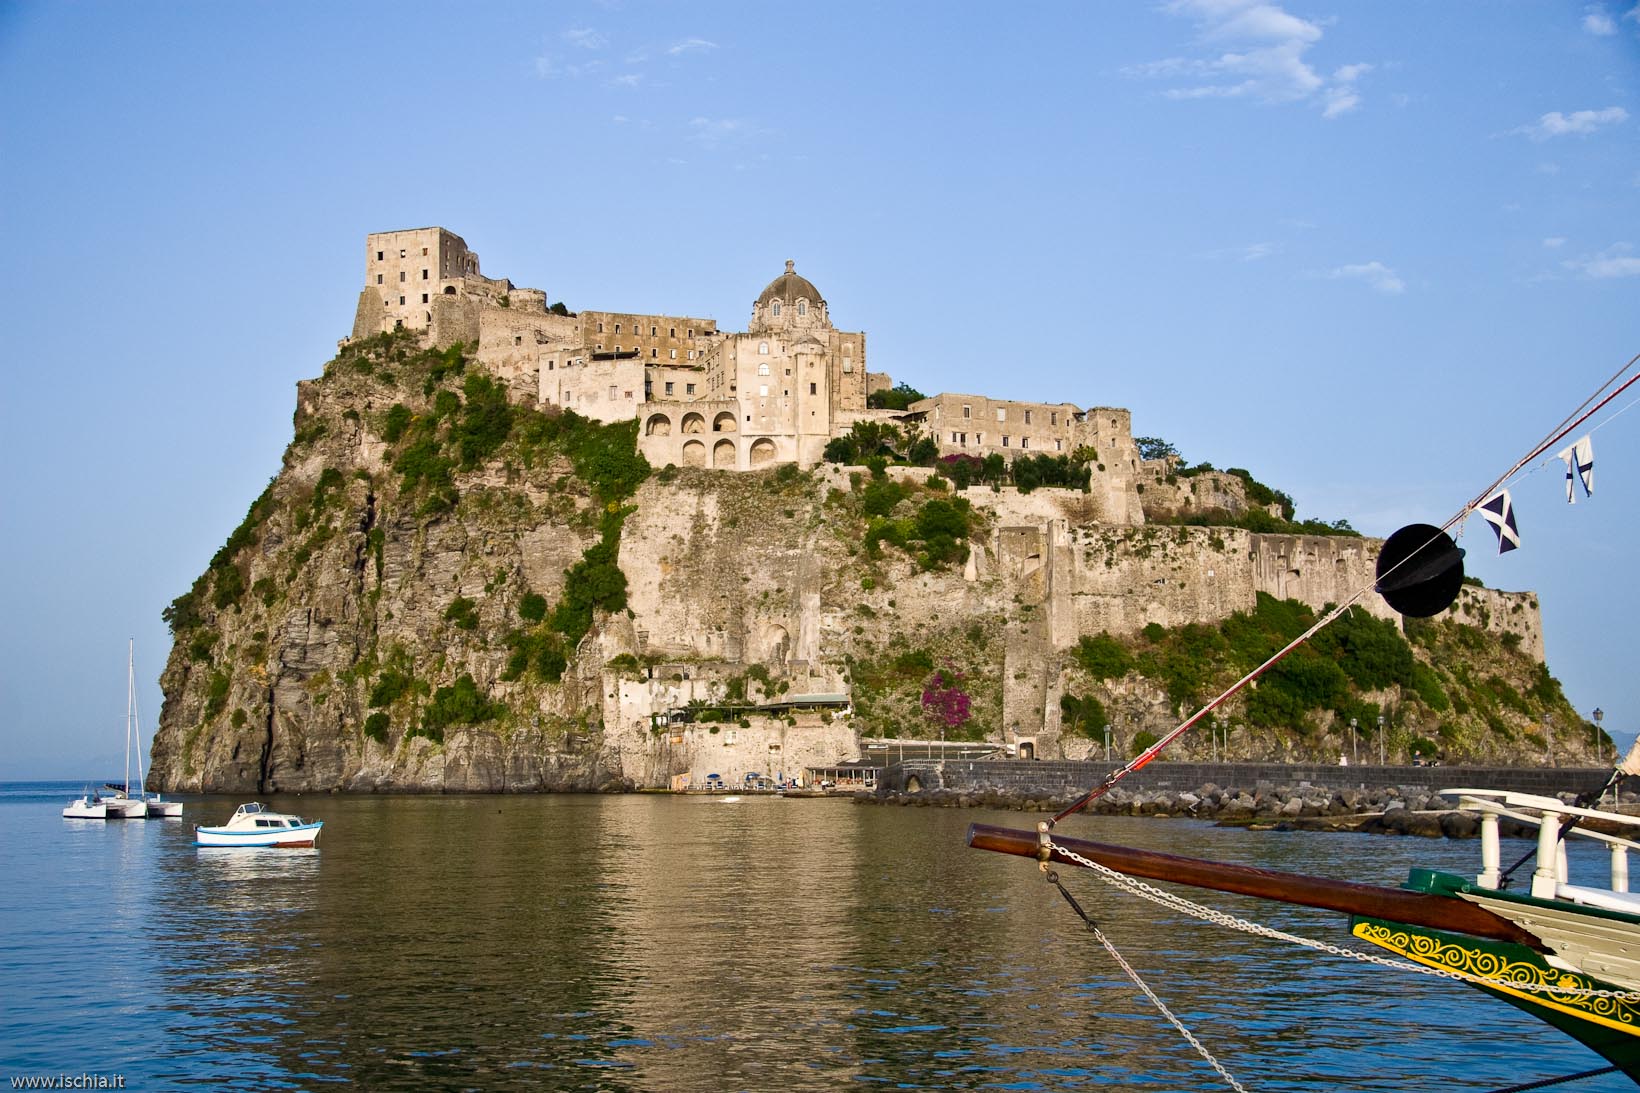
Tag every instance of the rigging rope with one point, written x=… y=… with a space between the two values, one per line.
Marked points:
x=1545 y=1083
x=1155 y=1000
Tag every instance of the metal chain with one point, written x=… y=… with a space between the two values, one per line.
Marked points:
x=1207 y=914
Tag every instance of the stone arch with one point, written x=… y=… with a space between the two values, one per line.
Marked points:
x=449 y=290
x=724 y=422
x=694 y=454
x=913 y=784
x=777 y=643
x=693 y=423
x=723 y=455
x=658 y=425
x=762 y=453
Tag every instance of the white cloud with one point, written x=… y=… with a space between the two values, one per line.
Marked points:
x=1376 y=274
x=1579 y=122
x=1617 y=260
x=1550 y=169
x=712 y=132
x=689 y=45
x=1633 y=14
x=1260 y=56
x=1554 y=241
x=584 y=38
x=630 y=79
x=1596 y=21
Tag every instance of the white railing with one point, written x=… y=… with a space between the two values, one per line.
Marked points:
x=1550 y=879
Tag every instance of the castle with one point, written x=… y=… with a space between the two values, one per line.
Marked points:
x=776 y=393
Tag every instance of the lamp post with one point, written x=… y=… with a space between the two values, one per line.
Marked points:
x=1215 y=740
x=1599 y=748
x=1107 y=741
x=1355 y=757
x=1547 y=728
x=1383 y=759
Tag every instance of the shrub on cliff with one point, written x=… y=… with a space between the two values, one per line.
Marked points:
x=458 y=704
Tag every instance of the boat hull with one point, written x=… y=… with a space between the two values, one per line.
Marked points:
x=79 y=810
x=1609 y=1027
x=127 y=808
x=259 y=838
x=164 y=809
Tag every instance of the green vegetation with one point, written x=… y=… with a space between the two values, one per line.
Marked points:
x=463 y=613
x=458 y=704
x=224 y=578
x=899 y=397
x=376 y=726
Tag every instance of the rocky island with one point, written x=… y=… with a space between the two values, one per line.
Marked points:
x=513 y=547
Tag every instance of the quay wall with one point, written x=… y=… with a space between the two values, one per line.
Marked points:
x=1052 y=778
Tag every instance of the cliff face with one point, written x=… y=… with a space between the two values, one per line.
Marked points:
x=446 y=591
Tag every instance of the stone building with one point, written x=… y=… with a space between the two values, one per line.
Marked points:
x=775 y=393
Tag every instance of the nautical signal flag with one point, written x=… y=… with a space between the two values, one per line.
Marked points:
x=1579 y=460
x=1499 y=511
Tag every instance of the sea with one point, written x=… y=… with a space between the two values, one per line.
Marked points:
x=678 y=943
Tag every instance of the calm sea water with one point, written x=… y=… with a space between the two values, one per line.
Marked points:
x=657 y=943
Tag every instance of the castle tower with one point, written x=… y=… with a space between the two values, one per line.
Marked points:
x=404 y=273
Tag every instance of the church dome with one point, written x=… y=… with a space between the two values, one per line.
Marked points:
x=789 y=286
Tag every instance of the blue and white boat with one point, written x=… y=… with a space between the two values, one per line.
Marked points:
x=254 y=824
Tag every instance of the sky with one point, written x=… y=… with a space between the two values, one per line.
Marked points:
x=1371 y=251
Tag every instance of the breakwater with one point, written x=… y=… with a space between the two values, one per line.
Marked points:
x=1389 y=799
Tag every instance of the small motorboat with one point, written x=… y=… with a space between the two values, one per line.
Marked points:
x=254 y=824
x=89 y=807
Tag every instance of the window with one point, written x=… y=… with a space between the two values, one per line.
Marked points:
x=669 y=387
x=953 y=438
x=788 y=371
x=378 y=256
x=812 y=390
x=401 y=301
x=967 y=411
x=1024 y=442
x=691 y=333
x=802 y=307
x=424 y=297
x=600 y=328
x=1005 y=440
x=378 y=278
x=424 y=252
x=653 y=353
x=763 y=348
x=763 y=390
x=674 y=354
x=691 y=354
x=774 y=309
x=401 y=252
x=424 y=275
x=629 y=396
x=518 y=339
x=1002 y=415
x=688 y=388
x=671 y=332
x=612 y=394
x=617 y=328
x=617 y=349
x=979 y=438
x=651 y=332
x=1027 y=417
x=762 y=369
x=1053 y=417
x=1059 y=445
x=401 y=277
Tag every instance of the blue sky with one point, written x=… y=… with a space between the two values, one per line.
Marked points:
x=1370 y=251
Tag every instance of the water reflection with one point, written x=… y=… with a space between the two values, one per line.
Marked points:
x=645 y=943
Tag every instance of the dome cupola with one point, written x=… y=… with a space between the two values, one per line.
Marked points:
x=790 y=300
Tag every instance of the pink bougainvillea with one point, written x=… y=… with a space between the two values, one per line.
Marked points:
x=944 y=702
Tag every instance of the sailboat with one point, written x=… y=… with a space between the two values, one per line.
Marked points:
x=1568 y=954
x=122 y=805
x=89 y=806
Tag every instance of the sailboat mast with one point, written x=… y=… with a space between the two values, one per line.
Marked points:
x=130 y=672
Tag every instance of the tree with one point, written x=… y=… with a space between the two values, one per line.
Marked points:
x=1154 y=447
x=900 y=397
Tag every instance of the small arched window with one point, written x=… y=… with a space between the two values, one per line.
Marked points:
x=762 y=369
x=763 y=348
x=802 y=307
x=774 y=309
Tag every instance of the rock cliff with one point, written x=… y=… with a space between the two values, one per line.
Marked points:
x=447 y=590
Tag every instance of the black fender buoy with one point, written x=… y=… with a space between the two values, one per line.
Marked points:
x=1420 y=571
